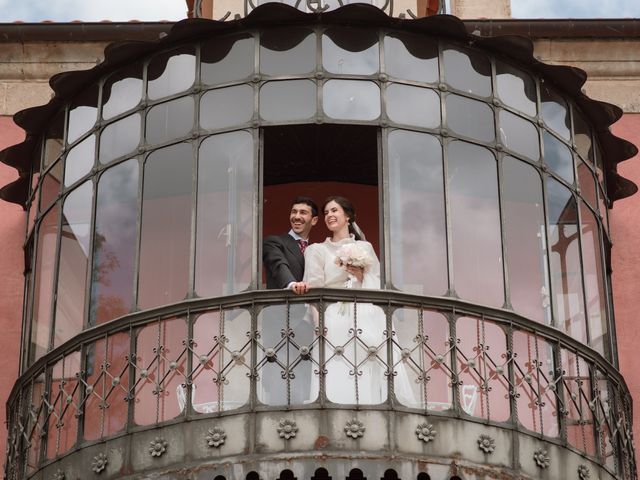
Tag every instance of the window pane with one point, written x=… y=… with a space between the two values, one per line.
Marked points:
x=416 y=213
x=221 y=362
x=516 y=89
x=554 y=111
x=53 y=140
x=411 y=57
x=558 y=157
x=50 y=186
x=171 y=72
x=161 y=364
x=114 y=243
x=72 y=271
x=421 y=347
x=43 y=291
x=120 y=138
x=226 y=107
x=166 y=226
x=83 y=113
x=274 y=386
x=107 y=377
x=566 y=274
x=483 y=369
x=534 y=369
x=225 y=220
x=122 y=91
x=350 y=51
x=170 y=120
x=79 y=160
x=582 y=137
x=519 y=135
x=587 y=183
x=467 y=71
x=594 y=282
x=475 y=224
x=351 y=100
x=413 y=105
x=227 y=59
x=288 y=100
x=470 y=118
x=525 y=234
x=287 y=52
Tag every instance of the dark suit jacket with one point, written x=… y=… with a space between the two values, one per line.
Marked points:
x=283 y=261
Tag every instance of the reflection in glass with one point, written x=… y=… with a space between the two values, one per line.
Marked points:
x=534 y=378
x=105 y=408
x=470 y=118
x=226 y=107
x=79 y=160
x=227 y=59
x=579 y=416
x=274 y=388
x=558 y=157
x=416 y=211
x=467 y=70
x=160 y=354
x=525 y=238
x=53 y=140
x=582 y=137
x=411 y=57
x=170 y=120
x=554 y=111
x=288 y=100
x=351 y=100
x=483 y=366
x=566 y=273
x=413 y=105
x=43 y=278
x=225 y=220
x=516 y=89
x=587 y=183
x=594 y=281
x=62 y=403
x=120 y=138
x=519 y=135
x=72 y=270
x=50 y=186
x=122 y=91
x=287 y=51
x=114 y=243
x=424 y=335
x=475 y=224
x=166 y=226
x=350 y=51
x=221 y=362
x=602 y=207
x=171 y=72
x=83 y=114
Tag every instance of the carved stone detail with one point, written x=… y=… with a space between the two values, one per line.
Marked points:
x=157 y=447
x=486 y=444
x=216 y=437
x=287 y=429
x=354 y=428
x=426 y=432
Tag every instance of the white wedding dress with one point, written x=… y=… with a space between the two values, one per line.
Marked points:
x=355 y=347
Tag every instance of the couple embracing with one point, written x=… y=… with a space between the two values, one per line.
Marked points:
x=344 y=259
x=355 y=369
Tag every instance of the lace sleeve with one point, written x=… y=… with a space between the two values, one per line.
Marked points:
x=371 y=279
x=314 y=266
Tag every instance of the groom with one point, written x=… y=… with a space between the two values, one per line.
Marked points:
x=283 y=254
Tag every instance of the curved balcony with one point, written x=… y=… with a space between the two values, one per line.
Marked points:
x=258 y=375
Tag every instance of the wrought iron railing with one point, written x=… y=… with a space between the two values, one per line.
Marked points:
x=270 y=350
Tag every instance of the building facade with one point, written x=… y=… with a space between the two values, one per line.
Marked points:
x=482 y=174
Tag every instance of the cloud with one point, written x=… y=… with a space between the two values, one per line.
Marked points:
x=91 y=10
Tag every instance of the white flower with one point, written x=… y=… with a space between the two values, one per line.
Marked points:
x=354 y=255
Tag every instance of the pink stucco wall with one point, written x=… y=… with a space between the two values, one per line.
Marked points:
x=12 y=229
x=625 y=230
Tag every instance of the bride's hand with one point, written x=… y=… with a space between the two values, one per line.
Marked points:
x=357 y=272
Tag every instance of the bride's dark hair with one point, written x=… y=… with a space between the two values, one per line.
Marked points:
x=347 y=206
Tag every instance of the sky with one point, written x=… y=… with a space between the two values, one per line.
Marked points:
x=149 y=10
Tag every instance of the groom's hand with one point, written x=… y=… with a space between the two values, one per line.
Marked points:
x=300 y=287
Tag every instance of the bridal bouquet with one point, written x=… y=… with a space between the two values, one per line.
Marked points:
x=353 y=255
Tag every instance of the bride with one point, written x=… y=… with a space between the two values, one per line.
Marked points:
x=355 y=334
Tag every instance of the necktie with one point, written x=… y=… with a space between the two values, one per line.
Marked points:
x=303 y=245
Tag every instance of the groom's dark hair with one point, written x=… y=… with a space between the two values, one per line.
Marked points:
x=307 y=201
